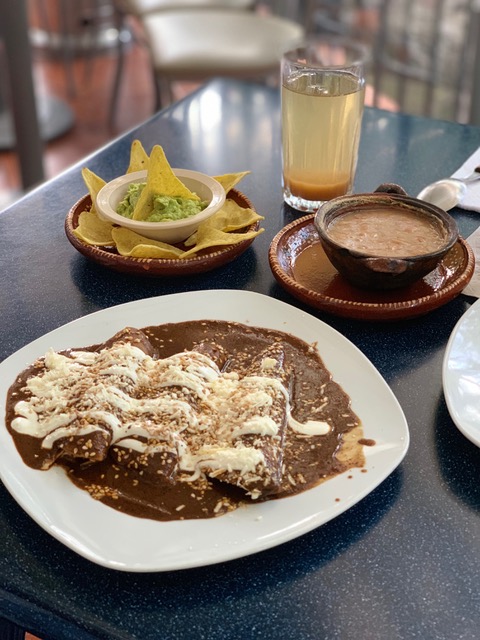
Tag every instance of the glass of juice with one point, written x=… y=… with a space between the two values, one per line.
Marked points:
x=323 y=92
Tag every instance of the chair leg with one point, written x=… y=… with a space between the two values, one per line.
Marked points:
x=163 y=91
x=68 y=53
x=120 y=46
x=157 y=91
x=92 y=27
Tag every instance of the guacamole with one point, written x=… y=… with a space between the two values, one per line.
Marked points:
x=165 y=208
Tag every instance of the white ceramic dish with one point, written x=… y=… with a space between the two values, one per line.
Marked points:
x=105 y=536
x=461 y=374
x=204 y=186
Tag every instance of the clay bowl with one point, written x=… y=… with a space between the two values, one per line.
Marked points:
x=385 y=268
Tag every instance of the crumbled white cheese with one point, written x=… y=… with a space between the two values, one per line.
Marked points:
x=133 y=397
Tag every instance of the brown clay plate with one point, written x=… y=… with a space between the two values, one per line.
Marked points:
x=300 y=265
x=205 y=260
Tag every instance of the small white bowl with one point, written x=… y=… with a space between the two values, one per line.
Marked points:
x=207 y=188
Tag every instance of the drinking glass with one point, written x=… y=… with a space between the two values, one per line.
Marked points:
x=323 y=92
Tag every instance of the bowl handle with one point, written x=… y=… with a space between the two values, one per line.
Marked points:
x=387 y=265
x=391 y=187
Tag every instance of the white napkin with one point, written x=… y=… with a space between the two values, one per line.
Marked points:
x=471 y=200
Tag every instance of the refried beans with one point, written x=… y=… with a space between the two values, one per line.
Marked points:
x=389 y=232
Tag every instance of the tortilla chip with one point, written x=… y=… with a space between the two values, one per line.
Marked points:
x=231 y=217
x=139 y=160
x=160 y=180
x=92 y=230
x=132 y=244
x=229 y=180
x=209 y=237
x=94 y=184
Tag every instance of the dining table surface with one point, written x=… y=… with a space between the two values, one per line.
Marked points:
x=401 y=563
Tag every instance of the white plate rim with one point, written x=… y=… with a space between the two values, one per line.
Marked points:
x=84 y=525
x=453 y=370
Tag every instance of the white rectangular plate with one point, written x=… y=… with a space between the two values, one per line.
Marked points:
x=122 y=542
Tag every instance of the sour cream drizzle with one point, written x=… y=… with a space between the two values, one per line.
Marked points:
x=130 y=395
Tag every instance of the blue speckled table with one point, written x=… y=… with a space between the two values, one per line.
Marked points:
x=404 y=563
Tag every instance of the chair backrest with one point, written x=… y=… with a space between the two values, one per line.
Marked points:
x=144 y=7
x=422 y=52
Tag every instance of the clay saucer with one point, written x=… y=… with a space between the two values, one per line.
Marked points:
x=205 y=260
x=300 y=265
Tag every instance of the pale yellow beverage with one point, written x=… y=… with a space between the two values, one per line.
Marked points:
x=321 y=122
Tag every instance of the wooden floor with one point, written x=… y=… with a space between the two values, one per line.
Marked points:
x=92 y=83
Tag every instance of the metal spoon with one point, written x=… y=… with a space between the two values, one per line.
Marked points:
x=449 y=192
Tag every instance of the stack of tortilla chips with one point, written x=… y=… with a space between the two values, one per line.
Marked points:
x=223 y=228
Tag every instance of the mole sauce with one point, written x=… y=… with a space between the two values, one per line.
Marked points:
x=307 y=459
